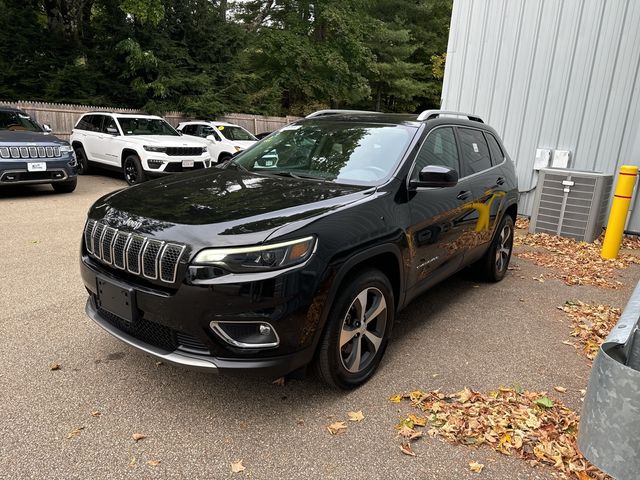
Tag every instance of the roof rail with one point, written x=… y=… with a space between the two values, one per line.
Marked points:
x=431 y=114
x=322 y=113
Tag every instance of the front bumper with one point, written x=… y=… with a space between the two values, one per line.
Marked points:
x=159 y=165
x=15 y=172
x=174 y=326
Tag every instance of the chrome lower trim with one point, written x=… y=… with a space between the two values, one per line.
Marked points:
x=215 y=326
x=176 y=357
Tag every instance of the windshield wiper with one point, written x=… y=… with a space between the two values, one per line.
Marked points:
x=233 y=163
x=299 y=176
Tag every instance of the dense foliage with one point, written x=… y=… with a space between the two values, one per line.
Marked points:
x=206 y=57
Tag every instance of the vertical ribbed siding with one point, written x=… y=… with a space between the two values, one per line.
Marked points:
x=558 y=74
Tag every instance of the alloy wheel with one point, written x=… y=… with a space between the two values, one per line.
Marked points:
x=130 y=172
x=504 y=248
x=363 y=330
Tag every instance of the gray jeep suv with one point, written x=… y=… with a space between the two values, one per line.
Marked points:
x=29 y=154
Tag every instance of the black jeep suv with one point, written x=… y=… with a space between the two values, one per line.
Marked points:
x=30 y=155
x=304 y=247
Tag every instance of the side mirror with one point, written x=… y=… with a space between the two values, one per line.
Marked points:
x=212 y=138
x=435 y=176
x=47 y=128
x=112 y=131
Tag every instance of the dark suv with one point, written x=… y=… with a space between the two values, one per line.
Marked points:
x=304 y=247
x=29 y=154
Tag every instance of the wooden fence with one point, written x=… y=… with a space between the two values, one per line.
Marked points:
x=62 y=118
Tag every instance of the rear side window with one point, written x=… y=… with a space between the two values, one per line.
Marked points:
x=497 y=155
x=475 y=152
x=85 y=123
x=439 y=148
x=189 y=129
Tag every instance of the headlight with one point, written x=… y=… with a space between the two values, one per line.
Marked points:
x=258 y=258
x=238 y=149
x=66 y=148
x=153 y=148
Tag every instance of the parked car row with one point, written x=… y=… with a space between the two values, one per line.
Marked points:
x=141 y=146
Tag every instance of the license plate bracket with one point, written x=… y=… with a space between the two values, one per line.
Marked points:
x=36 y=166
x=116 y=300
x=187 y=163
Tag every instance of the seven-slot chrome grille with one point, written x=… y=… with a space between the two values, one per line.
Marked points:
x=29 y=152
x=149 y=258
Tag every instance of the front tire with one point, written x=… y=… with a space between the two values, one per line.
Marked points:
x=224 y=157
x=357 y=330
x=83 y=162
x=65 y=187
x=493 y=265
x=132 y=169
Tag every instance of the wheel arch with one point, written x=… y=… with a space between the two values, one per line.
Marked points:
x=126 y=152
x=224 y=154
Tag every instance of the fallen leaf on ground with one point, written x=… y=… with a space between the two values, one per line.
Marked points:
x=406 y=449
x=522 y=223
x=75 y=432
x=138 y=436
x=279 y=381
x=237 y=467
x=591 y=324
x=95 y=413
x=54 y=366
x=476 y=467
x=418 y=421
x=560 y=389
x=336 y=428
x=395 y=398
x=356 y=416
x=153 y=463
x=545 y=402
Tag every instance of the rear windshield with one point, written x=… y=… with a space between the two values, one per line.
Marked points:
x=358 y=154
x=17 y=122
x=146 y=126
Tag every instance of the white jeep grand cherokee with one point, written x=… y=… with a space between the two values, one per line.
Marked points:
x=141 y=146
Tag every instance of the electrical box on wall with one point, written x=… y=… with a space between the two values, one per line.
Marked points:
x=543 y=155
x=560 y=159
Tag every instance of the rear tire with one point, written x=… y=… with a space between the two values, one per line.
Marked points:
x=493 y=265
x=132 y=169
x=65 y=187
x=357 y=332
x=83 y=163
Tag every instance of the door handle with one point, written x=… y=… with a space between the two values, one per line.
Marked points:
x=500 y=180
x=463 y=195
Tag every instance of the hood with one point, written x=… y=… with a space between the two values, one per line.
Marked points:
x=221 y=207
x=166 y=140
x=11 y=137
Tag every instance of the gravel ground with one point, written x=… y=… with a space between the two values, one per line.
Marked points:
x=458 y=334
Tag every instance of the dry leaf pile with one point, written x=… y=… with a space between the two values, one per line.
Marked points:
x=511 y=421
x=575 y=263
x=591 y=324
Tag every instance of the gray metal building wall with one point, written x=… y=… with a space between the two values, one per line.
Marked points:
x=558 y=74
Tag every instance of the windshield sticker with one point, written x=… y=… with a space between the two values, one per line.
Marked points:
x=220 y=127
x=475 y=147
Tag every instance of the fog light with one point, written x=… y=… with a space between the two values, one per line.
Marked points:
x=155 y=164
x=247 y=334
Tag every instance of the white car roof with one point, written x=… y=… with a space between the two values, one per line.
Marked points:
x=125 y=115
x=209 y=122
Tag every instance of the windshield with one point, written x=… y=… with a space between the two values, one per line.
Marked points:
x=146 y=126
x=18 y=122
x=359 y=154
x=235 y=133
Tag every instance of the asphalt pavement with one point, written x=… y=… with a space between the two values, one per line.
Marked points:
x=461 y=333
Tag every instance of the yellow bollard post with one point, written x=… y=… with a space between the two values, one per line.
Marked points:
x=619 y=210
